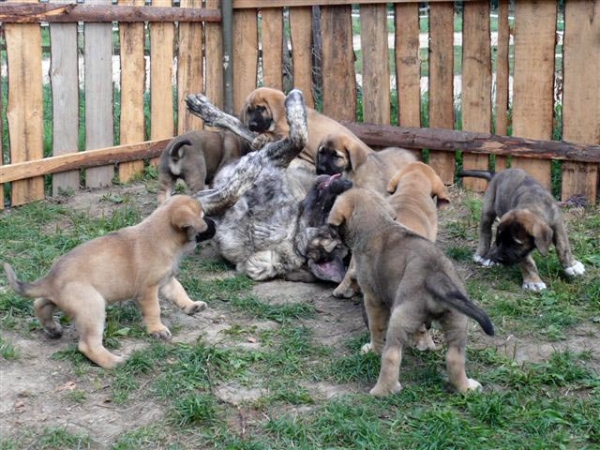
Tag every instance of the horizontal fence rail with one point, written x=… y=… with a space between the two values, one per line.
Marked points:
x=93 y=91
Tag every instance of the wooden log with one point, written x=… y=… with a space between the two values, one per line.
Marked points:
x=52 y=13
x=482 y=143
x=250 y=4
x=80 y=160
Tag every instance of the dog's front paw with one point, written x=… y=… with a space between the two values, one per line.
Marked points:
x=485 y=262
x=344 y=291
x=534 y=287
x=576 y=269
x=194 y=308
x=163 y=333
x=366 y=348
x=473 y=385
x=381 y=390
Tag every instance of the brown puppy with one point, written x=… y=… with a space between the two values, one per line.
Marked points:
x=195 y=157
x=406 y=282
x=366 y=168
x=412 y=189
x=264 y=113
x=529 y=218
x=132 y=263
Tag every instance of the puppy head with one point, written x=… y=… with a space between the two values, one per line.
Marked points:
x=518 y=234
x=264 y=111
x=187 y=217
x=334 y=154
x=318 y=202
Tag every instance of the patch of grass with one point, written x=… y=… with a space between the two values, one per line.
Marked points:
x=7 y=350
x=49 y=438
x=269 y=311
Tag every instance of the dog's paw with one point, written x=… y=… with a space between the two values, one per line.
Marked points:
x=483 y=261
x=473 y=385
x=344 y=292
x=534 y=287
x=576 y=269
x=366 y=348
x=194 y=308
x=163 y=333
x=383 y=390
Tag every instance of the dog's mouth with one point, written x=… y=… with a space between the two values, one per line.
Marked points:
x=332 y=269
x=325 y=180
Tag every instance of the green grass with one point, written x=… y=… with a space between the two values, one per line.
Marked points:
x=271 y=350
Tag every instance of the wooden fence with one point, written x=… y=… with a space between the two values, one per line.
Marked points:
x=106 y=82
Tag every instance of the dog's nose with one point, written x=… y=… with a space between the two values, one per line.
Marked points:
x=210 y=231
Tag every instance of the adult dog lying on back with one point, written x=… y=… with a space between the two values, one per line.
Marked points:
x=264 y=229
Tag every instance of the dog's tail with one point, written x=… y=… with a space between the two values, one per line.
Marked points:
x=485 y=174
x=445 y=290
x=31 y=290
x=174 y=147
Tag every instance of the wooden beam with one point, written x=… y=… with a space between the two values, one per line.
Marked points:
x=80 y=160
x=259 y=4
x=479 y=143
x=53 y=13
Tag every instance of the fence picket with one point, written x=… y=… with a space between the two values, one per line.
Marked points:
x=302 y=52
x=214 y=58
x=272 y=47
x=375 y=64
x=25 y=105
x=245 y=56
x=502 y=77
x=476 y=83
x=581 y=100
x=339 y=76
x=99 y=122
x=441 y=82
x=533 y=106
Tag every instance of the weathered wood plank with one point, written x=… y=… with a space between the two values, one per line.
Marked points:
x=133 y=77
x=301 y=35
x=375 y=64
x=97 y=13
x=272 y=47
x=80 y=160
x=441 y=82
x=99 y=122
x=64 y=77
x=408 y=64
x=245 y=4
x=502 y=76
x=245 y=56
x=482 y=143
x=476 y=83
x=581 y=93
x=190 y=69
x=214 y=59
x=162 y=38
x=533 y=95
x=25 y=105
x=339 y=76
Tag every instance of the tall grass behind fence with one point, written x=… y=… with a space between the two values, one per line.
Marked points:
x=482 y=66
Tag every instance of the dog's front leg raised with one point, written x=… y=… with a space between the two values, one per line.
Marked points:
x=173 y=291
x=150 y=308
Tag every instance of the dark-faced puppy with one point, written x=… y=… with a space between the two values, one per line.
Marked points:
x=132 y=263
x=195 y=157
x=530 y=219
x=406 y=282
x=264 y=113
x=345 y=154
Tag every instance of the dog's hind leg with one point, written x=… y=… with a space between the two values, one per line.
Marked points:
x=89 y=320
x=378 y=317
x=454 y=326
x=44 y=311
x=175 y=292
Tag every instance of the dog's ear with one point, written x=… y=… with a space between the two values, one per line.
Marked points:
x=186 y=216
x=357 y=151
x=538 y=229
x=439 y=191
x=393 y=183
